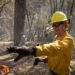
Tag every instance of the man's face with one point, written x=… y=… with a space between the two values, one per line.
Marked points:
x=59 y=28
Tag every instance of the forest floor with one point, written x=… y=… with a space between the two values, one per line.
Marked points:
x=25 y=65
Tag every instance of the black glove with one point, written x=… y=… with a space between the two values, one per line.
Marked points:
x=12 y=49
x=40 y=59
x=37 y=60
x=22 y=51
x=18 y=57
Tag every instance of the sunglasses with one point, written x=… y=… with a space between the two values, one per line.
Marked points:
x=57 y=24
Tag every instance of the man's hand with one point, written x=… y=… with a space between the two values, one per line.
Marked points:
x=40 y=59
x=22 y=51
x=37 y=60
x=19 y=50
x=11 y=49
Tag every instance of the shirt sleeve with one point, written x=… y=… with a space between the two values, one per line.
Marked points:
x=57 y=47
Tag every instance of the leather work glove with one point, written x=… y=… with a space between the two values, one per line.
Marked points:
x=40 y=59
x=19 y=50
x=22 y=51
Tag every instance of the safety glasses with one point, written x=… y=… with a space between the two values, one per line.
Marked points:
x=57 y=24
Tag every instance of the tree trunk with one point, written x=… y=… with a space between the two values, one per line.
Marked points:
x=19 y=19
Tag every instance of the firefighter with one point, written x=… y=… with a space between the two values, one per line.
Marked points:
x=58 y=52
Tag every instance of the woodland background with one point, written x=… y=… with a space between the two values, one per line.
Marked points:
x=36 y=14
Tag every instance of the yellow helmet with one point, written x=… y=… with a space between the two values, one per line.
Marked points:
x=58 y=16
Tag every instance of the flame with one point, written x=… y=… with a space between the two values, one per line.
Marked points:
x=4 y=68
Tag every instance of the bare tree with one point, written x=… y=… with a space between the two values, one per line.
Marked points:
x=19 y=19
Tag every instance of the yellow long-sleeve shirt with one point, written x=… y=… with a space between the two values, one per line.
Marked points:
x=59 y=53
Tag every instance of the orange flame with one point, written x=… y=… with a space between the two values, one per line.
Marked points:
x=5 y=69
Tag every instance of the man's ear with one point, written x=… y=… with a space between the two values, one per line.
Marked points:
x=66 y=24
